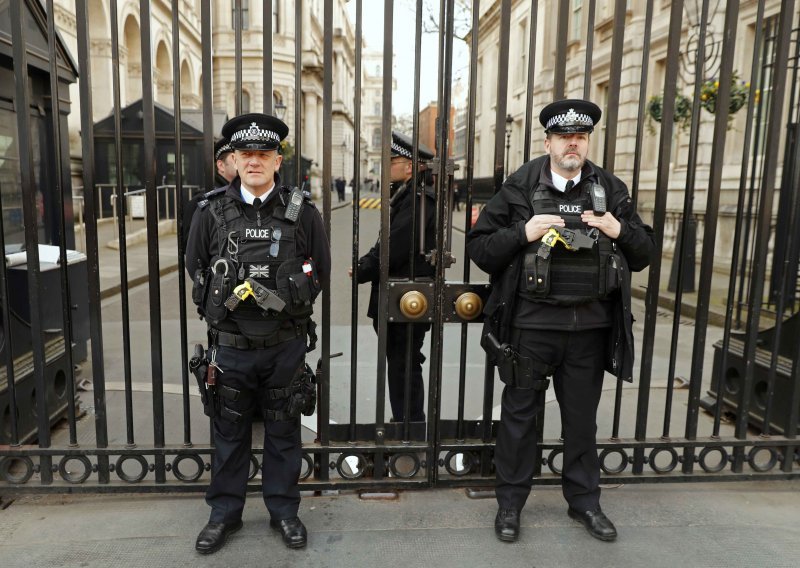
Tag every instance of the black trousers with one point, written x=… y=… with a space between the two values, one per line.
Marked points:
x=252 y=372
x=397 y=345
x=578 y=358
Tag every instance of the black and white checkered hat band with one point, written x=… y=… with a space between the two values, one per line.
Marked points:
x=255 y=134
x=570 y=118
x=222 y=149
x=400 y=151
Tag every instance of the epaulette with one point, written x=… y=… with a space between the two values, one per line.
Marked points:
x=206 y=198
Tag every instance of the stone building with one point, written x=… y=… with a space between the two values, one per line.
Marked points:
x=223 y=66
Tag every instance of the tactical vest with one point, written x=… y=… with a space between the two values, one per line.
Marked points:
x=569 y=277
x=264 y=250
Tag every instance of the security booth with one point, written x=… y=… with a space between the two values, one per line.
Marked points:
x=51 y=194
x=132 y=137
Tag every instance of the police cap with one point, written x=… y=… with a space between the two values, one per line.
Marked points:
x=403 y=146
x=570 y=116
x=255 y=131
x=221 y=147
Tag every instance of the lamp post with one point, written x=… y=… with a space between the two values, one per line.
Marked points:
x=344 y=151
x=509 y=124
x=280 y=110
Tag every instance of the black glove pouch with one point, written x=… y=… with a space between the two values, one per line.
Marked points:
x=220 y=287
x=536 y=272
x=301 y=279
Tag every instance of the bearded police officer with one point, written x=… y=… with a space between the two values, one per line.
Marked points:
x=404 y=337
x=559 y=239
x=257 y=253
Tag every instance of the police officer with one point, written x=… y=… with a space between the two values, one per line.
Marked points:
x=224 y=162
x=225 y=171
x=257 y=253
x=559 y=240
x=406 y=187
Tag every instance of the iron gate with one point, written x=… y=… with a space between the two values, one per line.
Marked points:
x=754 y=382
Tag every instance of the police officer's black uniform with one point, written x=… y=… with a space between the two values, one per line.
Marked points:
x=401 y=241
x=273 y=250
x=565 y=314
x=222 y=149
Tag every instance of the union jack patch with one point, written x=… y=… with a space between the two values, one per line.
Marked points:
x=259 y=270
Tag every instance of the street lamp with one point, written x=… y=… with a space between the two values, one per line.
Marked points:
x=280 y=110
x=509 y=124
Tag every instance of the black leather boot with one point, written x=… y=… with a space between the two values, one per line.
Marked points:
x=213 y=536
x=596 y=523
x=293 y=531
x=506 y=525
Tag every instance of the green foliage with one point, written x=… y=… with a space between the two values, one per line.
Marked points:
x=655 y=111
x=709 y=91
x=286 y=150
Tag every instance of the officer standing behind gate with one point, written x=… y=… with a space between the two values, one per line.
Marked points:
x=559 y=240
x=257 y=253
x=401 y=244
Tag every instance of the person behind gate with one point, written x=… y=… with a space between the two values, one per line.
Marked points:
x=406 y=187
x=559 y=240
x=257 y=253
x=225 y=171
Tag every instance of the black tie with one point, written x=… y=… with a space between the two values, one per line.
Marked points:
x=570 y=185
x=257 y=203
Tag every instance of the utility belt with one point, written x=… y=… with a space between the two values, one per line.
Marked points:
x=570 y=267
x=516 y=370
x=218 y=399
x=239 y=341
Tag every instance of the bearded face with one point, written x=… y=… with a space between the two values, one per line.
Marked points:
x=567 y=152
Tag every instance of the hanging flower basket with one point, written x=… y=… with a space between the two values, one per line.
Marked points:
x=655 y=111
x=709 y=91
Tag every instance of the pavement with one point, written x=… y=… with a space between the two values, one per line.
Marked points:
x=731 y=524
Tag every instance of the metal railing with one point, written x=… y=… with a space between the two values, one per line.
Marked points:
x=751 y=377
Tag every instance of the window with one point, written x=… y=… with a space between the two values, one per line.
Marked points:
x=576 y=20
x=245 y=14
x=522 y=69
x=245 y=102
x=376 y=138
x=377 y=109
x=276 y=17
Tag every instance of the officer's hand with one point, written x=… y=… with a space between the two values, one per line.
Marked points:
x=350 y=272
x=537 y=226
x=607 y=223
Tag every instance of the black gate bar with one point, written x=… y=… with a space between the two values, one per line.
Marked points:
x=59 y=202
x=23 y=107
x=356 y=226
x=740 y=211
x=763 y=226
x=710 y=227
x=526 y=153
x=90 y=220
x=662 y=185
x=267 y=61
x=637 y=162
x=688 y=212
x=154 y=282
x=181 y=202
